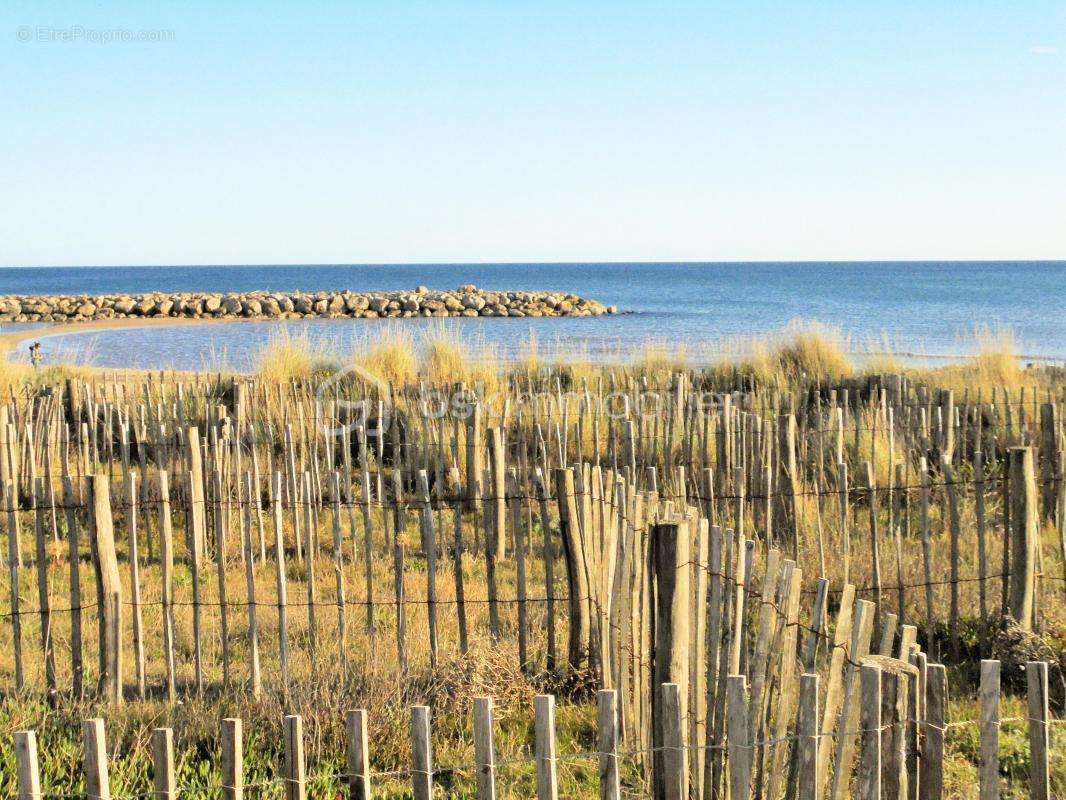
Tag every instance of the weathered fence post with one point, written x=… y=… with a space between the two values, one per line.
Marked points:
x=1023 y=534
x=97 y=782
x=1050 y=430
x=670 y=559
x=164 y=782
x=29 y=776
x=475 y=455
x=457 y=564
x=358 y=753
x=429 y=546
x=841 y=695
x=988 y=768
x=931 y=778
x=197 y=531
x=109 y=588
x=282 y=582
x=295 y=782
x=607 y=743
x=807 y=738
x=254 y=672
x=672 y=782
x=897 y=679
x=496 y=538
x=738 y=738
x=232 y=759
x=868 y=780
x=547 y=779
x=40 y=500
x=1039 y=772
x=544 y=747
x=790 y=478
x=195 y=535
x=166 y=570
x=74 y=557
x=135 y=584
x=484 y=751
x=421 y=754
x=577 y=580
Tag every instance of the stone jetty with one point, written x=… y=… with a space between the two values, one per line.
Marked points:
x=465 y=301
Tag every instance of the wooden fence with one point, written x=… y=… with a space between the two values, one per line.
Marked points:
x=716 y=546
x=894 y=744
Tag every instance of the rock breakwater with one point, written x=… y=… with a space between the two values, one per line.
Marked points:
x=465 y=301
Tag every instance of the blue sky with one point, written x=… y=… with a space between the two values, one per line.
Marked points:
x=262 y=132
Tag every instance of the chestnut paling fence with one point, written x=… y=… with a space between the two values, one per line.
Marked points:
x=703 y=554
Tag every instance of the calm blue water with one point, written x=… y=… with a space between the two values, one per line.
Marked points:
x=929 y=307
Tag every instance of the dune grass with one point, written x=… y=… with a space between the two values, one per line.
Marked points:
x=997 y=362
x=992 y=364
x=655 y=358
x=292 y=356
x=811 y=351
x=802 y=354
x=446 y=359
x=389 y=353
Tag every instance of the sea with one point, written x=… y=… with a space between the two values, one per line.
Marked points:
x=919 y=311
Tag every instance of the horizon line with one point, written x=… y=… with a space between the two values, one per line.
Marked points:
x=642 y=262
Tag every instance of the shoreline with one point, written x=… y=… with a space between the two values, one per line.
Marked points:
x=11 y=342
x=11 y=338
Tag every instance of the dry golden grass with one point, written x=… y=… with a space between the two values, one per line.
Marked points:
x=530 y=361
x=390 y=353
x=12 y=374
x=291 y=356
x=811 y=351
x=993 y=364
x=879 y=357
x=444 y=356
x=996 y=362
x=656 y=359
x=757 y=364
x=881 y=364
x=448 y=359
x=799 y=355
x=572 y=364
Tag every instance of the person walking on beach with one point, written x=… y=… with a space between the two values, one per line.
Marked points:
x=35 y=354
